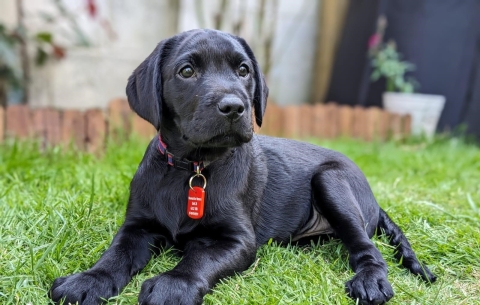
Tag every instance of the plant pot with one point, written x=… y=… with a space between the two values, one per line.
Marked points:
x=425 y=109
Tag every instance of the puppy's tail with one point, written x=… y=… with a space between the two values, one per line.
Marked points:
x=403 y=250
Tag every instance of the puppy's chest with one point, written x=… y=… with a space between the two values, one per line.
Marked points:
x=171 y=204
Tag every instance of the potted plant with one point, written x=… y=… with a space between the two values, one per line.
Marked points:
x=399 y=96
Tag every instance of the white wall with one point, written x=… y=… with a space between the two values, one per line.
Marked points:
x=91 y=76
x=294 y=52
x=294 y=41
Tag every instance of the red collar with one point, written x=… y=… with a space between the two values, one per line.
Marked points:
x=177 y=162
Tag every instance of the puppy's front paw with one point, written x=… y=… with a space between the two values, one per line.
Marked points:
x=171 y=289
x=370 y=286
x=86 y=288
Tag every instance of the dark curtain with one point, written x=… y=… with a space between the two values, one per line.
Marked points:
x=442 y=39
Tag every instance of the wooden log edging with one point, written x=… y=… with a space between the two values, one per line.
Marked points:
x=74 y=130
x=2 y=124
x=89 y=130
x=329 y=121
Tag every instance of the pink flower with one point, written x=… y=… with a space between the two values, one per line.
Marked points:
x=374 y=41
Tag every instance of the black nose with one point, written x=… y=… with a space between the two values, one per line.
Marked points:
x=232 y=108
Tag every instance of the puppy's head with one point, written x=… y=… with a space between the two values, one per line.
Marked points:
x=201 y=85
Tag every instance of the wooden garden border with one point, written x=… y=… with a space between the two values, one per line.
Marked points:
x=88 y=130
x=329 y=121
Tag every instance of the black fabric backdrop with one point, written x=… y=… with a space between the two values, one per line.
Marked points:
x=442 y=39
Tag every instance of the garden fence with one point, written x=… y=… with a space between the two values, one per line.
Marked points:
x=88 y=130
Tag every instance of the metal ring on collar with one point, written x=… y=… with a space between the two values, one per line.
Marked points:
x=198 y=175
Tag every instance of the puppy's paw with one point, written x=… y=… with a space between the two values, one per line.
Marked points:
x=86 y=288
x=370 y=287
x=420 y=269
x=171 y=289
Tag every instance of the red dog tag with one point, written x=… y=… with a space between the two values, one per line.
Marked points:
x=196 y=201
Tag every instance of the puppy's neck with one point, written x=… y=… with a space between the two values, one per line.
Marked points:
x=183 y=149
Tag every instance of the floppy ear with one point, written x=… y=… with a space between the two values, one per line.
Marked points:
x=144 y=88
x=261 y=89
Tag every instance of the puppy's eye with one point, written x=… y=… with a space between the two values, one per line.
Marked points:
x=187 y=72
x=243 y=70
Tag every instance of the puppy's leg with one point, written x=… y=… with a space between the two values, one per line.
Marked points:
x=205 y=262
x=403 y=250
x=336 y=198
x=128 y=254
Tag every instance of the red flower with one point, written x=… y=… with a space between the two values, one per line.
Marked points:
x=58 y=51
x=92 y=8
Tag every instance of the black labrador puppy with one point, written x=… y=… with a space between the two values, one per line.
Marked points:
x=210 y=187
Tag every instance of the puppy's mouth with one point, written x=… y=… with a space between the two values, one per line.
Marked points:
x=221 y=140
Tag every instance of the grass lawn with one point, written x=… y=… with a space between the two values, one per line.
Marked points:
x=60 y=210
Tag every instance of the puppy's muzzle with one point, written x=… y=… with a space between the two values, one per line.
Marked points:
x=231 y=107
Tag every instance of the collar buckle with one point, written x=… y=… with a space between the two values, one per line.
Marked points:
x=173 y=161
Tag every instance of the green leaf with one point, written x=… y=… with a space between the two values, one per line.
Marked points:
x=387 y=62
x=375 y=75
x=44 y=37
x=407 y=88
x=41 y=56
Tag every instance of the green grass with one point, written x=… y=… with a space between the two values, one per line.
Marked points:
x=59 y=211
